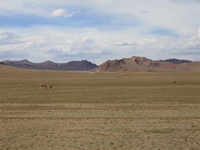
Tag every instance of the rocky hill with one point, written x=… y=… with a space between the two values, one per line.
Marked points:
x=142 y=64
x=49 y=65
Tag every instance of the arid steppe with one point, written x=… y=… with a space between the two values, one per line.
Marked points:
x=99 y=111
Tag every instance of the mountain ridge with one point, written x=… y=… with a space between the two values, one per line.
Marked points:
x=143 y=64
x=176 y=61
x=133 y=64
x=82 y=65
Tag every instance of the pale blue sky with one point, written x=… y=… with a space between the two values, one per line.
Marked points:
x=65 y=30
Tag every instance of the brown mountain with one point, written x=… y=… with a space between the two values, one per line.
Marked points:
x=142 y=64
x=49 y=65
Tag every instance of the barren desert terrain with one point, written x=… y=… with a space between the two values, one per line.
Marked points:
x=100 y=111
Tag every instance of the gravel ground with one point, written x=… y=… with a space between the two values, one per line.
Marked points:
x=170 y=126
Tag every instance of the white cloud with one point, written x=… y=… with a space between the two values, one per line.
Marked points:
x=58 y=12
x=62 y=12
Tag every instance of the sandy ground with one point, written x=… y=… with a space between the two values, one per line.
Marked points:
x=127 y=126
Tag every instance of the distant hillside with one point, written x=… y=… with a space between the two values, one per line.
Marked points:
x=142 y=64
x=176 y=61
x=1 y=63
x=133 y=64
x=49 y=65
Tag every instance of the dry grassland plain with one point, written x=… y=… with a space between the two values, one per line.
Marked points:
x=99 y=111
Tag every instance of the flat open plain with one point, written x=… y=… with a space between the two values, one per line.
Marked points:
x=99 y=111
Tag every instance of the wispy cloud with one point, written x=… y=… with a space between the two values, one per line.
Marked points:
x=63 y=13
x=126 y=44
x=7 y=38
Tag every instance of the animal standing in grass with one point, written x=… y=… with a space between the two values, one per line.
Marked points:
x=43 y=86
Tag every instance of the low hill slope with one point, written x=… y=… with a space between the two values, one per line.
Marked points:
x=9 y=71
x=142 y=64
x=17 y=72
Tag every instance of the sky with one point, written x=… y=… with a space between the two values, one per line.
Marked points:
x=99 y=30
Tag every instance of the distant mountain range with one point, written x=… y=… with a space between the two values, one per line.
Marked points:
x=49 y=65
x=142 y=64
x=133 y=64
x=176 y=61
